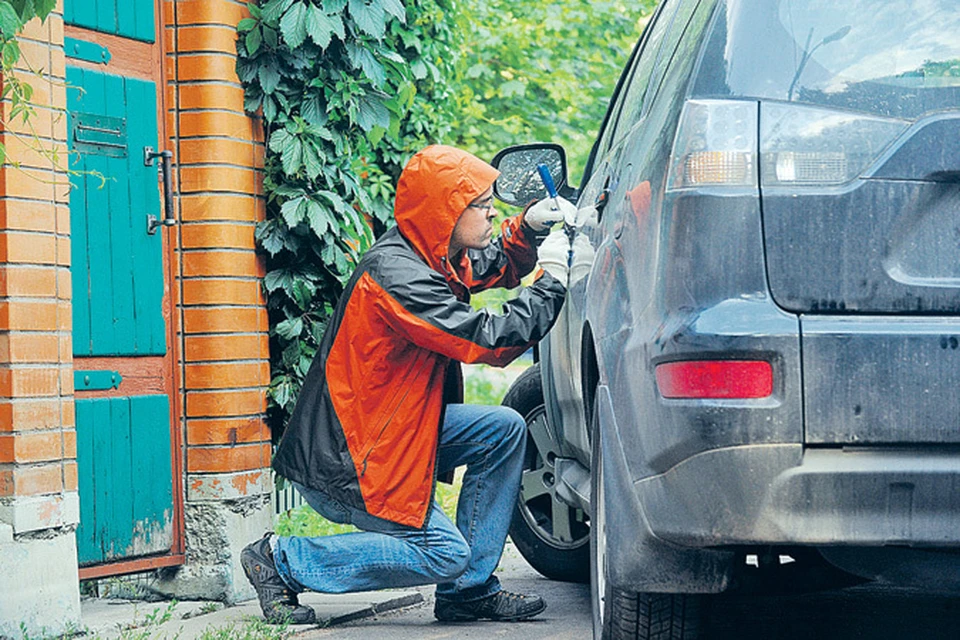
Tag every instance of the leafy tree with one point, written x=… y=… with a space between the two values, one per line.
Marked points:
x=541 y=71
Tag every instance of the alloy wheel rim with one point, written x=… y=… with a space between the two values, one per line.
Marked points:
x=552 y=520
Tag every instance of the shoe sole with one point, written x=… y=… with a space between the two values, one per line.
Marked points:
x=465 y=617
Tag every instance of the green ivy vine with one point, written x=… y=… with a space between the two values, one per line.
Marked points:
x=348 y=90
x=14 y=14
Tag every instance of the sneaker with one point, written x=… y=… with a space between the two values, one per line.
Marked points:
x=503 y=606
x=278 y=602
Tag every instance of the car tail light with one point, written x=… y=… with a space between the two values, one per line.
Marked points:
x=716 y=145
x=801 y=145
x=715 y=379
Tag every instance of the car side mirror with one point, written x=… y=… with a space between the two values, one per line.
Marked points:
x=519 y=183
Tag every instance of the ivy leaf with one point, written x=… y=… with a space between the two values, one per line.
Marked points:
x=290 y=328
x=278 y=140
x=395 y=8
x=293 y=25
x=270 y=36
x=246 y=24
x=291 y=155
x=317 y=218
x=370 y=17
x=420 y=69
x=253 y=41
x=293 y=211
x=372 y=112
x=313 y=109
x=312 y=161
x=9 y=21
x=273 y=9
x=269 y=77
x=254 y=10
x=334 y=6
x=322 y=27
x=362 y=58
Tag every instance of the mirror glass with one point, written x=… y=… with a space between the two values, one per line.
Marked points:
x=519 y=182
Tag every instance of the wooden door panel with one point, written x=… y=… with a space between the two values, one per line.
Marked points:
x=117 y=266
x=128 y=18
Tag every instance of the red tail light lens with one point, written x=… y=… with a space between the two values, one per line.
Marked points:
x=715 y=379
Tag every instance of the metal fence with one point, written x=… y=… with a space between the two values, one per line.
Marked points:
x=286 y=499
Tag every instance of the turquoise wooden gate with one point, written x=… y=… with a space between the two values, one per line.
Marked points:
x=120 y=333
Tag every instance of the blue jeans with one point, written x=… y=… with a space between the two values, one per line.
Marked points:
x=459 y=559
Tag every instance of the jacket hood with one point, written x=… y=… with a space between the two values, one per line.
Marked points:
x=434 y=189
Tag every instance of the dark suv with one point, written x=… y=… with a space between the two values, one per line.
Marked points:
x=760 y=352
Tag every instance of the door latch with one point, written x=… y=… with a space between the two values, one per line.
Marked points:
x=149 y=155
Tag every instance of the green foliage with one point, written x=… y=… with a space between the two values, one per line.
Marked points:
x=348 y=89
x=541 y=71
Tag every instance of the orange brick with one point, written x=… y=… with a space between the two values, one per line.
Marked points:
x=220 y=95
x=70 y=444
x=40 y=154
x=68 y=413
x=222 y=404
x=239 y=430
x=36 y=30
x=39 y=446
x=41 y=123
x=220 y=12
x=226 y=347
x=218 y=236
x=70 y=476
x=207 y=66
x=224 y=320
x=228 y=179
x=63 y=220
x=64 y=316
x=28 y=248
x=225 y=459
x=24 y=315
x=63 y=250
x=65 y=347
x=28 y=282
x=227 y=376
x=29 y=348
x=31 y=481
x=29 y=383
x=64 y=284
x=220 y=207
x=216 y=123
x=23 y=215
x=222 y=263
x=215 y=291
x=66 y=380
x=222 y=39
x=237 y=152
x=24 y=415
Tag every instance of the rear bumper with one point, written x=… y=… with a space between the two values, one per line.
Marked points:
x=782 y=494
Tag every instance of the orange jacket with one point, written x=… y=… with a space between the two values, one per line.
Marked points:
x=366 y=424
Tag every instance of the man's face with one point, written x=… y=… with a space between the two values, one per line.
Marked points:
x=474 y=228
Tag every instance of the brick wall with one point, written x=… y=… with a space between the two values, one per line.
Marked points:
x=222 y=320
x=38 y=470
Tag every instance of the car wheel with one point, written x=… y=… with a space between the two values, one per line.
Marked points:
x=553 y=536
x=620 y=614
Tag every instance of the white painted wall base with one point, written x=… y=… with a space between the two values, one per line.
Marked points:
x=40 y=585
x=216 y=533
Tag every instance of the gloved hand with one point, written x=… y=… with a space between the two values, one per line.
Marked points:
x=542 y=215
x=552 y=255
x=583 y=255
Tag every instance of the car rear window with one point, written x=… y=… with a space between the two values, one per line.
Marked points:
x=895 y=58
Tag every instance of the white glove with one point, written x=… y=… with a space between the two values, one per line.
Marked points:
x=545 y=214
x=583 y=255
x=552 y=255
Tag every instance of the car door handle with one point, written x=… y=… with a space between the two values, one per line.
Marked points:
x=168 y=216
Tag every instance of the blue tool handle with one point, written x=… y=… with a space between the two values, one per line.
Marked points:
x=547 y=179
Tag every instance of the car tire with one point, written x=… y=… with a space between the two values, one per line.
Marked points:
x=551 y=535
x=620 y=614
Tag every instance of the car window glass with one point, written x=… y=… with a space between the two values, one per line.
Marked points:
x=894 y=58
x=678 y=29
x=642 y=70
x=647 y=43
